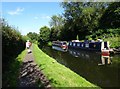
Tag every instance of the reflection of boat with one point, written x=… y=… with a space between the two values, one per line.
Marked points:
x=102 y=59
x=84 y=54
x=105 y=60
x=58 y=48
x=59 y=45
x=105 y=52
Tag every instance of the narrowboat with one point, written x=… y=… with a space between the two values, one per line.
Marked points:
x=99 y=46
x=61 y=44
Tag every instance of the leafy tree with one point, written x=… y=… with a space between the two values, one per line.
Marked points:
x=56 y=24
x=111 y=17
x=33 y=36
x=56 y=21
x=44 y=34
x=82 y=18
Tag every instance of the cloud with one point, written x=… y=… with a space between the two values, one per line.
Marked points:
x=42 y=17
x=16 y=12
x=45 y=17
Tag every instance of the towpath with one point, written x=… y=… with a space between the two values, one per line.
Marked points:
x=31 y=75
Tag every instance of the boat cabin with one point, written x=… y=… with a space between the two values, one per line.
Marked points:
x=61 y=44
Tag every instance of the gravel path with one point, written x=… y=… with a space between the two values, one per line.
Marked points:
x=31 y=75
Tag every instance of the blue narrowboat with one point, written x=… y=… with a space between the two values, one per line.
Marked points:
x=99 y=46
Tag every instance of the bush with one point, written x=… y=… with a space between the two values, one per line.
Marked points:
x=114 y=41
x=12 y=44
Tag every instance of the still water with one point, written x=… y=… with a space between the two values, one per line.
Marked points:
x=97 y=69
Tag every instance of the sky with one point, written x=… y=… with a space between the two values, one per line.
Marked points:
x=30 y=16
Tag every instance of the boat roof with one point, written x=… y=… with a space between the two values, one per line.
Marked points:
x=59 y=41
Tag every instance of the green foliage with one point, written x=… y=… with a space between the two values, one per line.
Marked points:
x=12 y=45
x=25 y=38
x=12 y=42
x=56 y=21
x=12 y=81
x=56 y=24
x=111 y=17
x=49 y=43
x=33 y=36
x=114 y=41
x=44 y=34
x=53 y=34
x=85 y=20
x=111 y=35
x=82 y=18
x=105 y=33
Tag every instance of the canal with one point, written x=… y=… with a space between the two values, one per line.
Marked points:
x=97 y=69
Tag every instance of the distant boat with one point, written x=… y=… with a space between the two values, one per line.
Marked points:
x=61 y=44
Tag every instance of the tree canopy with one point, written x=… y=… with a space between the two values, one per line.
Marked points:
x=44 y=34
x=33 y=36
x=84 y=20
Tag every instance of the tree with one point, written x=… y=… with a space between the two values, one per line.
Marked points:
x=44 y=34
x=111 y=17
x=56 y=23
x=33 y=36
x=82 y=18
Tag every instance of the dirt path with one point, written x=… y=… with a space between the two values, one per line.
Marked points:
x=31 y=75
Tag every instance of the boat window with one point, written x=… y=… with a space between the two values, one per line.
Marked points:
x=87 y=45
x=82 y=45
x=78 y=44
x=73 y=44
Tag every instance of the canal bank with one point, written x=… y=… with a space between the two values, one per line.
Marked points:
x=58 y=74
x=90 y=65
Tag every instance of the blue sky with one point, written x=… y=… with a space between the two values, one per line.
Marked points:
x=30 y=16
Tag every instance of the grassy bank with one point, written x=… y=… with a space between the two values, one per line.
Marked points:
x=58 y=74
x=10 y=76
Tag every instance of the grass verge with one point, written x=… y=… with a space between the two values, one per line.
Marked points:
x=58 y=74
x=10 y=76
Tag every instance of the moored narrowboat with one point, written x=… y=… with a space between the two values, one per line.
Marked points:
x=99 y=46
x=62 y=44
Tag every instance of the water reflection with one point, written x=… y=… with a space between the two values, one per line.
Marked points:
x=87 y=64
x=83 y=54
x=104 y=60
x=59 y=49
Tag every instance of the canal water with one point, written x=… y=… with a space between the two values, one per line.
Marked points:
x=100 y=70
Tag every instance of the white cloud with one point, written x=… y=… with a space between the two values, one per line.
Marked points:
x=45 y=17
x=42 y=17
x=16 y=12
